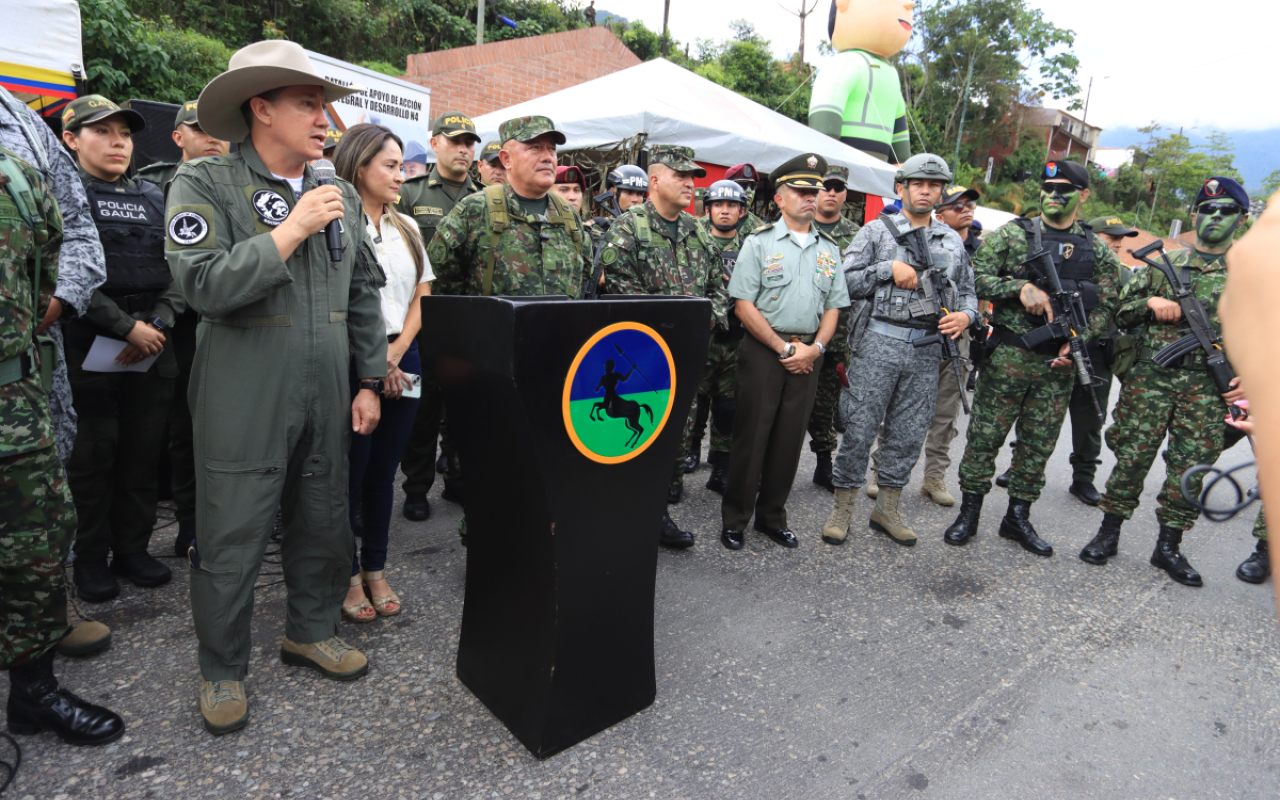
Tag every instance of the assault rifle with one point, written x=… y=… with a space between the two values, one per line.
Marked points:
x=609 y=202
x=1203 y=335
x=1069 y=319
x=933 y=285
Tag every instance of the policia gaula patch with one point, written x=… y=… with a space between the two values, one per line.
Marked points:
x=190 y=226
x=619 y=392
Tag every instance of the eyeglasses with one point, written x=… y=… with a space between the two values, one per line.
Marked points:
x=966 y=205
x=1219 y=209
x=1058 y=188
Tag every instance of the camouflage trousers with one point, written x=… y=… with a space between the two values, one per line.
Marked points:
x=677 y=472
x=943 y=429
x=37 y=522
x=1154 y=402
x=1260 y=525
x=1017 y=390
x=894 y=385
x=717 y=387
x=822 y=423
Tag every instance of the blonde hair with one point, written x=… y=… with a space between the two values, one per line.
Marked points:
x=357 y=148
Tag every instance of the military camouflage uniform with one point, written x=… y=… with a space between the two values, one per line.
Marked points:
x=822 y=430
x=716 y=389
x=688 y=266
x=892 y=382
x=37 y=518
x=1180 y=401
x=1019 y=387
x=82 y=266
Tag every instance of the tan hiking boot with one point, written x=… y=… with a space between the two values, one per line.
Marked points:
x=872 y=489
x=837 y=527
x=936 y=490
x=224 y=706
x=87 y=636
x=332 y=658
x=886 y=519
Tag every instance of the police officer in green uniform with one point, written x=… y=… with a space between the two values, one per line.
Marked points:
x=822 y=423
x=659 y=248
x=282 y=318
x=112 y=471
x=38 y=516
x=195 y=143
x=789 y=288
x=490 y=165
x=191 y=139
x=428 y=199
x=726 y=208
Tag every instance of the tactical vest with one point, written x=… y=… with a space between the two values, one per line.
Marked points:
x=644 y=234
x=911 y=308
x=1072 y=254
x=495 y=210
x=130 y=222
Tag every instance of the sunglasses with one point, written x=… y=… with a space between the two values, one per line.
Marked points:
x=1058 y=188
x=1219 y=209
x=966 y=205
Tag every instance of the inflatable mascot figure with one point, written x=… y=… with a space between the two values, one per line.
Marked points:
x=857 y=98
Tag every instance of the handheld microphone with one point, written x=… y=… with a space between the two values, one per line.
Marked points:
x=325 y=173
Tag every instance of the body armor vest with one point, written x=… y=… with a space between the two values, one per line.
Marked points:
x=130 y=221
x=1072 y=254
x=912 y=308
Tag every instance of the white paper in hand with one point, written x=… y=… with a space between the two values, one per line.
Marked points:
x=102 y=357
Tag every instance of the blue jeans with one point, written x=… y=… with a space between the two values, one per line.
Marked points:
x=374 y=460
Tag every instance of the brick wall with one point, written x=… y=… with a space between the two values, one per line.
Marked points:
x=478 y=79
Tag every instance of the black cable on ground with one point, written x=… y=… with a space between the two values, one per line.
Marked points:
x=1214 y=477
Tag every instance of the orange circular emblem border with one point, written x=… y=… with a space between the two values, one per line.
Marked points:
x=573 y=371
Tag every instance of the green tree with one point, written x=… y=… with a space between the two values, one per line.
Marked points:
x=1271 y=184
x=1177 y=169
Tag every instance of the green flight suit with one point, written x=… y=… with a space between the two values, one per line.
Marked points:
x=270 y=395
x=822 y=429
x=428 y=199
x=120 y=436
x=159 y=173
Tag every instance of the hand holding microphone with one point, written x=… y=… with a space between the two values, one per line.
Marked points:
x=325 y=174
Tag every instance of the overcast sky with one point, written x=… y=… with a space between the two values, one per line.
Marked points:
x=1160 y=64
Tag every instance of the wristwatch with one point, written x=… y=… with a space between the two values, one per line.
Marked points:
x=822 y=348
x=374 y=385
x=160 y=325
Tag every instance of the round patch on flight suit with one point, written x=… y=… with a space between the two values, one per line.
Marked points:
x=619 y=392
x=609 y=255
x=187 y=228
x=271 y=207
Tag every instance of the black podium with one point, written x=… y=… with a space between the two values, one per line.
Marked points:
x=567 y=417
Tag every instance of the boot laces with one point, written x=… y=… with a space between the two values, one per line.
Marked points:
x=334 y=648
x=225 y=691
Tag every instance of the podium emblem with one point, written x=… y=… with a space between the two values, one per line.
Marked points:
x=619 y=392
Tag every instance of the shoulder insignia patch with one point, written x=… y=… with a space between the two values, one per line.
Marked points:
x=271 y=207
x=609 y=255
x=190 y=226
x=437 y=252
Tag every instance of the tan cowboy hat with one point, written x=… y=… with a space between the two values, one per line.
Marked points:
x=258 y=68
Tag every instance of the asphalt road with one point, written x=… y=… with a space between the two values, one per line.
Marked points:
x=865 y=671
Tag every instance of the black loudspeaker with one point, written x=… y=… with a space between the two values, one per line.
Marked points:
x=154 y=143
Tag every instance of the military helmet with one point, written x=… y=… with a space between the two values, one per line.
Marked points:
x=721 y=191
x=628 y=177
x=925 y=166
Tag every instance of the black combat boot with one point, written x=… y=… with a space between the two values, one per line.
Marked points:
x=94 y=581
x=142 y=569
x=1085 y=492
x=966 y=525
x=693 y=457
x=1104 y=544
x=185 y=538
x=416 y=506
x=672 y=536
x=1257 y=567
x=37 y=704
x=719 y=471
x=1016 y=525
x=822 y=472
x=1168 y=557
x=1002 y=480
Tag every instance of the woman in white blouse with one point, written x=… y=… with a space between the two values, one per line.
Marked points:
x=370 y=157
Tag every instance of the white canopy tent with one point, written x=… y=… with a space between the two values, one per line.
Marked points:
x=991 y=218
x=674 y=106
x=40 y=56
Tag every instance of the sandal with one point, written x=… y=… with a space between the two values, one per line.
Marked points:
x=362 y=611
x=385 y=606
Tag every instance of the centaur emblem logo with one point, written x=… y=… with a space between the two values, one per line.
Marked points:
x=619 y=392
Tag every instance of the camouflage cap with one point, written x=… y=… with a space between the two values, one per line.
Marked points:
x=836 y=174
x=805 y=171
x=332 y=137
x=1112 y=226
x=186 y=115
x=453 y=124
x=526 y=129
x=490 y=151
x=955 y=193
x=677 y=157
x=95 y=107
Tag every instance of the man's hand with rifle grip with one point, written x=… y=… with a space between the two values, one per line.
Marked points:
x=1164 y=310
x=905 y=276
x=954 y=324
x=1035 y=301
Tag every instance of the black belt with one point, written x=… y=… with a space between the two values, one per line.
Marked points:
x=807 y=338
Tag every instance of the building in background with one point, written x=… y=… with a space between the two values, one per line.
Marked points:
x=1066 y=135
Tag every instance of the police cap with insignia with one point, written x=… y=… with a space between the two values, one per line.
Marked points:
x=677 y=157
x=95 y=108
x=955 y=194
x=1111 y=226
x=1076 y=174
x=186 y=115
x=805 y=171
x=453 y=124
x=526 y=129
x=1222 y=190
x=490 y=151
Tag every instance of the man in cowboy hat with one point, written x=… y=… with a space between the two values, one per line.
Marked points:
x=281 y=320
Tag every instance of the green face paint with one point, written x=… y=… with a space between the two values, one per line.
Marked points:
x=1214 y=228
x=1058 y=205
